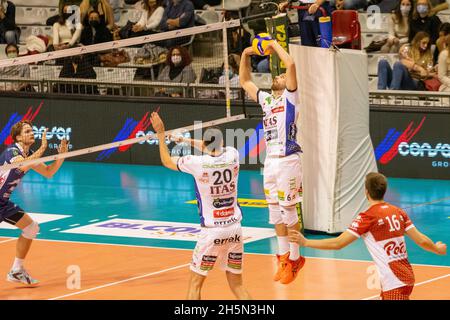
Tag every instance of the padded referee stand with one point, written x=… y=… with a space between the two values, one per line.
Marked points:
x=333 y=131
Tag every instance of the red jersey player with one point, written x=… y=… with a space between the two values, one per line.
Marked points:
x=382 y=228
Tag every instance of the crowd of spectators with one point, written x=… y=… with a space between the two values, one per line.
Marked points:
x=415 y=33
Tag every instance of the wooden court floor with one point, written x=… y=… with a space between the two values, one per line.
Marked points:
x=132 y=272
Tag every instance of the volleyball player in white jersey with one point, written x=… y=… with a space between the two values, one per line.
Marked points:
x=215 y=174
x=282 y=168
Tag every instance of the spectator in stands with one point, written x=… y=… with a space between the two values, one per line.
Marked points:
x=444 y=66
x=233 y=74
x=444 y=30
x=178 y=69
x=416 y=63
x=116 y=6
x=424 y=20
x=308 y=20
x=62 y=4
x=96 y=31
x=178 y=14
x=78 y=67
x=65 y=33
x=151 y=16
x=206 y=4
x=18 y=71
x=103 y=8
x=9 y=32
x=398 y=24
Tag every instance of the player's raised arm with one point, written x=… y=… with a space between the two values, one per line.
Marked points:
x=291 y=76
x=426 y=243
x=158 y=125
x=245 y=77
x=49 y=170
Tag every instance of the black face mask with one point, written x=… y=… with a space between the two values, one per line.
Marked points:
x=94 y=23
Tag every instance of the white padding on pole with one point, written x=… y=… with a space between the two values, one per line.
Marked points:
x=334 y=135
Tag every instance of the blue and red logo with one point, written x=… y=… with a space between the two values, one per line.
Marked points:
x=388 y=148
x=5 y=136
x=255 y=145
x=128 y=131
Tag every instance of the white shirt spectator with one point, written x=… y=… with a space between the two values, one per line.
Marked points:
x=152 y=22
x=66 y=34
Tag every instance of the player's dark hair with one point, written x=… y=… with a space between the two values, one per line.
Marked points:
x=213 y=139
x=16 y=129
x=376 y=185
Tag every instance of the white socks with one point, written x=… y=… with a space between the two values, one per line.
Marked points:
x=283 y=245
x=18 y=264
x=294 y=249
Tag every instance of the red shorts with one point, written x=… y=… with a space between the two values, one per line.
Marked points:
x=401 y=293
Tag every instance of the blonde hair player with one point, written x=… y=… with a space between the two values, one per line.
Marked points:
x=23 y=137
x=282 y=167
x=216 y=179
x=382 y=228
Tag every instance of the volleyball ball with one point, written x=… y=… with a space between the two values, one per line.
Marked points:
x=260 y=43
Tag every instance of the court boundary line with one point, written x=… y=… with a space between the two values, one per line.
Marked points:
x=415 y=285
x=184 y=249
x=120 y=282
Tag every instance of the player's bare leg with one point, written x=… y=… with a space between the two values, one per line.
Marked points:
x=195 y=286
x=237 y=287
x=29 y=231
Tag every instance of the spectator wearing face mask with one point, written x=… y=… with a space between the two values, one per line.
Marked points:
x=65 y=33
x=18 y=71
x=103 y=8
x=96 y=30
x=398 y=25
x=416 y=63
x=424 y=20
x=62 y=4
x=178 y=69
x=152 y=12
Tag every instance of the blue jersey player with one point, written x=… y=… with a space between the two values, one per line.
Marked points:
x=23 y=137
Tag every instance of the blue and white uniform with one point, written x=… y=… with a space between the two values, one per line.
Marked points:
x=282 y=167
x=9 y=180
x=216 y=181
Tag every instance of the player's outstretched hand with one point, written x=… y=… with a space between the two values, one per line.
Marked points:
x=441 y=247
x=44 y=139
x=296 y=236
x=157 y=123
x=64 y=146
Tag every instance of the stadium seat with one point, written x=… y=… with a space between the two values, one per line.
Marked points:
x=262 y=80
x=44 y=72
x=346 y=28
x=37 y=3
x=373 y=83
x=132 y=15
x=235 y=5
x=370 y=26
x=208 y=16
x=34 y=15
x=27 y=31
